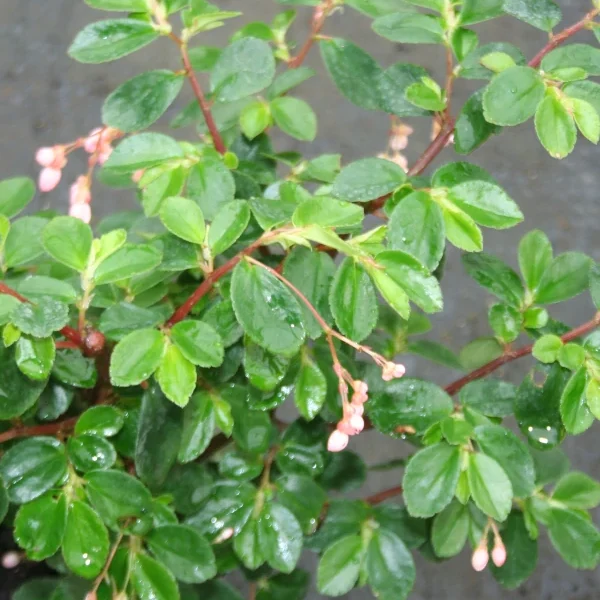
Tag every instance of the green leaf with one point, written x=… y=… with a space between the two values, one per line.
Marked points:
x=425 y=97
x=34 y=287
x=340 y=566
x=32 y=467
x=423 y=403
x=85 y=544
x=476 y=11
x=513 y=96
x=35 y=356
x=100 y=420
x=40 y=320
x=183 y=218
x=40 y=526
x=450 y=529
x=247 y=545
x=505 y=321
x=176 y=376
x=266 y=309
x=88 y=452
x=566 y=277
x=142 y=151
x=295 y=117
x=571 y=356
x=18 y=393
x=521 y=553
x=471 y=129
x=228 y=225
x=311 y=389
x=409 y=274
x=393 y=83
x=120 y=5
x=543 y=14
x=577 y=490
x=136 y=357
x=344 y=471
x=535 y=257
x=7 y=306
x=280 y=537
x=354 y=72
x=108 y=40
x=130 y=260
x=152 y=581
x=139 y=102
x=511 y=454
x=555 y=127
x=368 y=179
x=471 y=67
x=327 y=212
x=389 y=566
x=587 y=120
x=212 y=186
x=263 y=369
x=255 y=118
x=312 y=273
x=303 y=497
x=575 y=538
x=490 y=487
x=486 y=203
x=116 y=496
x=581 y=56
x=245 y=67
x=352 y=301
x=574 y=410
x=588 y=91
x=416 y=226
x=15 y=195
x=461 y=230
x=410 y=28
x=498 y=61
x=430 y=479
x=184 y=552
x=69 y=241
x=198 y=427
x=491 y=397
x=435 y=352
x=497 y=277
x=158 y=437
x=287 y=80
x=546 y=348
x=24 y=241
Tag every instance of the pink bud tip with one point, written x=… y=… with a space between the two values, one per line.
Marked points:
x=83 y=212
x=398 y=142
x=337 y=441
x=225 y=534
x=480 y=558
x=45 y=156
x=91 y=596
x=91 y=142
x=499 y=554
x=344 y=427
x=392 y=371
x=49 y=179
x=10 y=560
x=105 y=154
x=137 y=175
x=357 y=423
x=360 y=387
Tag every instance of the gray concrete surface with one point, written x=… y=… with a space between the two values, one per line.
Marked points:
x=47 y=98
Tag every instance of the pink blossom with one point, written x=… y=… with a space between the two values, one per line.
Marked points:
x=91 y=142
x=344 y=427
x=480 y=558
x=80 y=191
x=392 y=371
x=499 y=553
x=49 y=178
x=337 y=441
x=357 y=423
x=11 y=560
x=83 y=212
x=104 y=155
x=45 y=156
x=357 y=408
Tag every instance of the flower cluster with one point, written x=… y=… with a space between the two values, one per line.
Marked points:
x=481 y=556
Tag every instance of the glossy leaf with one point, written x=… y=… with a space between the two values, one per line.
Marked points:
x=15 y=194
x=198 y=427
x=490 y=487
x=228 y=225
x=136 y=357
x=152 y=581
x=574 y=409
x=176 y=376
x=340 y=566
x=450 y=529
x=183 y=218
x=565 y=277
x=130 y=260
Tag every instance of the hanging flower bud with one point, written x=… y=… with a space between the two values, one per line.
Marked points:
x=83 y=212
x=45 y=156
x=49 y=178
x=480 y=558
x=345 y=427
x=392 y=371
x=360 y=387
x=11 y=560
x=105 y=155
x=357 y=408
x=80 y=191
x=92 y=141
x=498 y=553
x=91 y=596
x=337 y=441
x=357 y=423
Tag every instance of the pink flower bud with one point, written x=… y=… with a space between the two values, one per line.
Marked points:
x=11 y=560
x=357 y=423
x=225 y=534
x=499 y=553
x=401 y=161
x=358 y=398
x=83 y=212
x=45 y=156
x=357 y=408
x=337 y=441
x=80 y=191
x=344 y=427
x=137 y=175
x=91 y=596
x=91 y=142
x=360 y=387
x=480 y=558
x=392 y=371
x=49 y=179
x=398 y=142
x=105 y=154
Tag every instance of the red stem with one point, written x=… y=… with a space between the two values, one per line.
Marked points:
x=383 y=496
x=511 y=355
x=46 y=429
x=204 y=105
x=319 y=17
